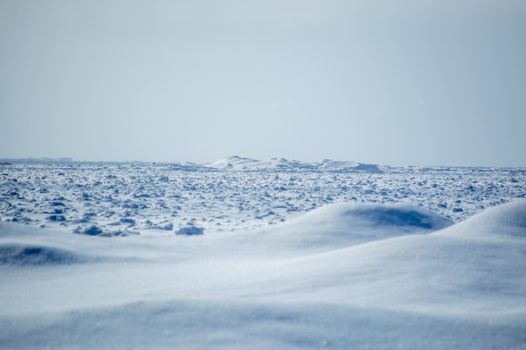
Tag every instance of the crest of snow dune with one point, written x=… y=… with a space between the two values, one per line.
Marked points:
x=508 y=220
x=341 y=225
x=475 y=267
x=247 y=164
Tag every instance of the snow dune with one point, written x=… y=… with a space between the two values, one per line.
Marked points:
x=343 y=276
x=339 y=225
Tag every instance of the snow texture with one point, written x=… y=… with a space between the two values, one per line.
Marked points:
x=423 y=284
x=232 y=194
x=195 y=257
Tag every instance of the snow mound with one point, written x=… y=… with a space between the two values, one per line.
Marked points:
x=190 y=231
x=456 y=271
x=504 y=220
x=20 y=254
x=237 y=163
x=249 y=164
x=340 y=225
x=347 y=166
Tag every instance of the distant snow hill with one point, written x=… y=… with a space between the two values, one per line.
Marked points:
x=237 y=163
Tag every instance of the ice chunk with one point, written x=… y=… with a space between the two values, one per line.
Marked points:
x=92 y=230
x=190 y=231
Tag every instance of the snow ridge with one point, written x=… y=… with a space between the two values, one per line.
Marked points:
x=237 y=163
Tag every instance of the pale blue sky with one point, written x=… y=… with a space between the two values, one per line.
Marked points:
x=395 y=82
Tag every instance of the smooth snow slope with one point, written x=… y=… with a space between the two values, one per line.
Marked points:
x=417 y=283
x=340 y=225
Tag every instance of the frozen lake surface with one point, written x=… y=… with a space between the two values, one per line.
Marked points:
x=243 y=254
x=147 y=198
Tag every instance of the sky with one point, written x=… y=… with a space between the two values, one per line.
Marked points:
x=427 y=82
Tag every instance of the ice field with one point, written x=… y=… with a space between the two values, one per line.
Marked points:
x=247 y=254
x=233 y=193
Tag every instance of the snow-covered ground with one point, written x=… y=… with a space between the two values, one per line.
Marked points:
x=233 y=193
x=287 y=257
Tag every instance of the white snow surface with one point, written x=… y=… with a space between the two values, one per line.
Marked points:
x=345 y=276
x=249 y=254
x=250 y=164
x=116 y=199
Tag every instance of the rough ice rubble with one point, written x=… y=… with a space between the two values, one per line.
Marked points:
x=459 y=287
x=146 y=198
x=190 y=231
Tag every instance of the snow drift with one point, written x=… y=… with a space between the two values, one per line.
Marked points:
x=340 y=225
x=416 y=282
